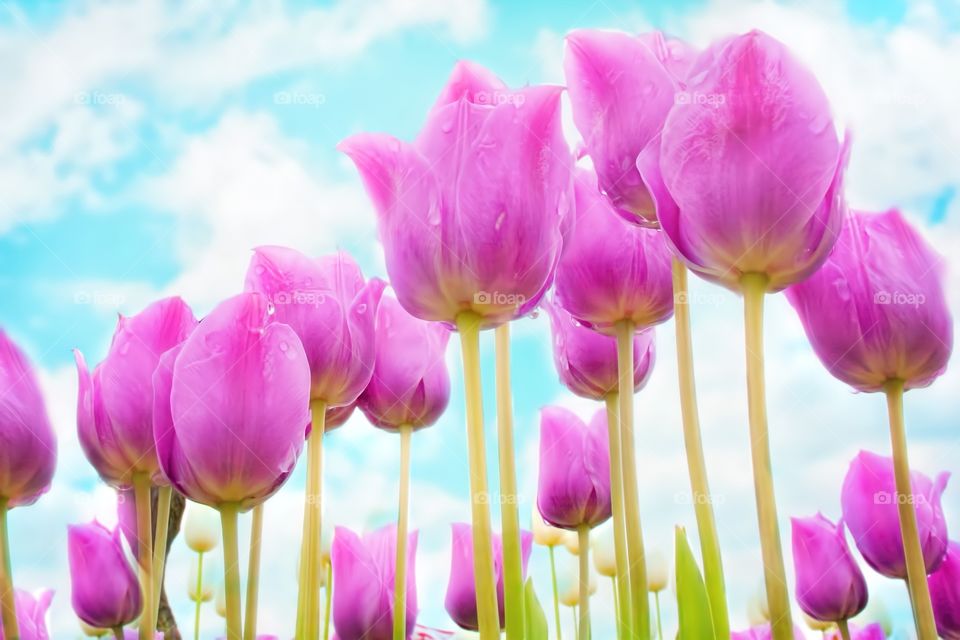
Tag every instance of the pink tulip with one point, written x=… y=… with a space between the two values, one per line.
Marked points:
x=471 y=214
x=611 y=270
x=115 y=403
x=876 y=310
x=410 y=384
x=461 y=598
x=32 y=614
x=230 y=405
x=872 y=631
x=945 y=594
x=332 y=309
x=574 y=486
x=762 y=632
x=748 y=175
x=829 y=584
x=28 y=455
x=869 y=501
x=363 y=583
x=621 y=89
x=586 y=360
x=104 y=589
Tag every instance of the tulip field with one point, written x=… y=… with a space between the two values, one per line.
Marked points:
x=603 y=207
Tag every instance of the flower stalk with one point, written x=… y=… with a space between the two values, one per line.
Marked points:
x=622 y=579
x=403 y=515
x=231 y=569
x=141 y=496
x=253 y=574
x=8 y=609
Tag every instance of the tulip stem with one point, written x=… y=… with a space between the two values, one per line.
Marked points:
x=844 y=629
x=509 y=502
x=199 y=596
x=118 y=633
x=329 y=597
x=583 y=536
x=631 y=500
x=468 y=324
x=141 y=498
x=164 y=495
x=916 y=568
x=754 y=287
x=11 y=628
x=616 y=605
x=656 y=601
x=253 y=574
x=308 y=600
x=231 y=569
x=556 y=592
x=696 y=464
x=403 y=507
x=622 y=579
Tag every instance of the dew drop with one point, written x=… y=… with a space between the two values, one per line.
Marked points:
x=499 y=221
x=361 y=308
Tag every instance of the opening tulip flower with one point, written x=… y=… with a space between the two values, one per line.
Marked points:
x=32 y=614
x=829 y=584
x=945 y=593
x=363 y=584
x=105 y=592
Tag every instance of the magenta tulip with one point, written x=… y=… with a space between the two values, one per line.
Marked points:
x=230 y=405
x=876 y=310
x=32 y=614
x=869 y=501
x=829 y=584
x=621 y=89
x=332 y=309
x=945 y=594
x=363 y=583
x=104 y=589
x=574 y=485
x=461 y=599
x=610 y=270
x=471 y=214
x=586 y=360
x=410 y=385
x=28 y=455
x=873 y=631
x=115 y=403
x=748 y=175
x=762 y=632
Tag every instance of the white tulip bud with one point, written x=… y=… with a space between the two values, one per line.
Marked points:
x=201 y=528
x=569 y=582
x=757 y=611
x=544 y=534
x=658 y=571
x=572 y=542
x=220 y=602
x=604 y=551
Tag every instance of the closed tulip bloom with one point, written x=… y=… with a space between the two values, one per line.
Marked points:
x=32 y=614
x=201 y=528
x=543 y=533
x=104 y=589
x=363 y=583
x=29 y=452
x=115 y=401
x=868 y=632
x=574 y=485
x=829 y=584
x=762 y=632
x=461 y=598
x=410 y=385
x=748 y=175
x=869 y=501
x=621 y=89
x=230 y=405
x=604 y=558
x=586 y=360
x=471 y=214
x=331 y=308
x=658 y=572
x=612 y=270
x=876 y=310
x=568 y=582
x=945 y=594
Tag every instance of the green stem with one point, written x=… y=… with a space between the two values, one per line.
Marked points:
x=329 y=596
x=556 y=592
x=253 y=574
x=231 y=569
x=164 y=496
x=583 y=537
x=622 y=579
x=488 y=618
x=509 y=502
x=916 y=568
x=844 y=629
x=8 y=607
x=696 y=464
x=199 y=595
x=656 y=600
x=403 y=514
x=631 y=499
x=310 y=562
x=616 y=606
x=141 y=497
x=118 y=633
x=754 y=286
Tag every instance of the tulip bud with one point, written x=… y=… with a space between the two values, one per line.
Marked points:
x=205 y=593
x=544 y=534
x=220 y=601
x=945 y=594
x=829 y=584
x=92 y=632
x=762 y=632
x=658 y=571
x=758 y=612
x=869 y=632
x=31 y=612
x=568 y=583
x=104 y=589
x=571 y=541
x=201 y=528
x=817 y=625
x=604 y=553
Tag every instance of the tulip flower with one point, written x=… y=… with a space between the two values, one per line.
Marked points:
x=604 y=558
x=31 y=614
x=869 y=499
x=758 y=612
x=829 y=584
x=461 y=598
x=363 y=584
x=229 y=408
x=763 y=632
x=201 y=528
x=857 y=632
x=27 y=458
x=104 y=589
x=945 y=593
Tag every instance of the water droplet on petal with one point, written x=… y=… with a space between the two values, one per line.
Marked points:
x=499 y=221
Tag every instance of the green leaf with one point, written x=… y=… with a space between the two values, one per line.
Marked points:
x=693 y=605
x=534 y=618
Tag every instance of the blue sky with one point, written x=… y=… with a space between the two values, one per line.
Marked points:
x=146 y=147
